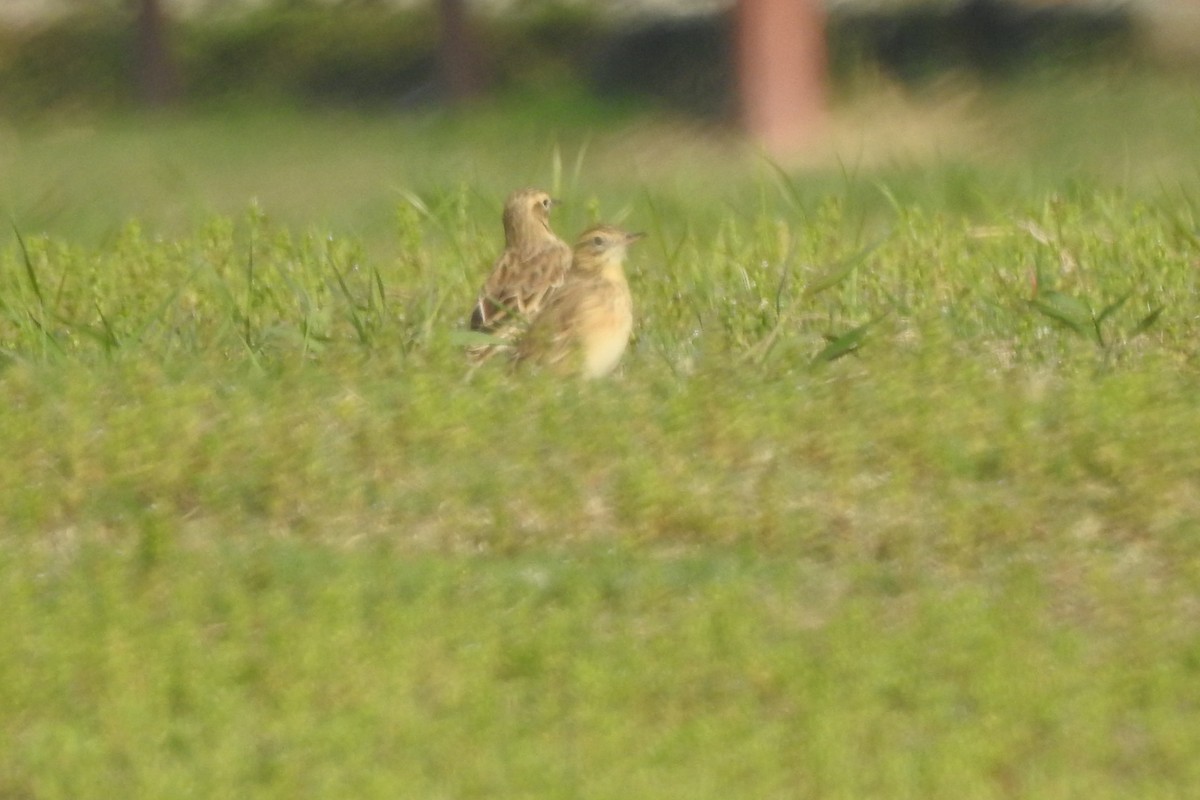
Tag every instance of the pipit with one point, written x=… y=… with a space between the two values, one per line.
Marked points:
x=585 y=325
x=533 y=264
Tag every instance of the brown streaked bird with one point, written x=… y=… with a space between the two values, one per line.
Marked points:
x=533 y=264
x=585 y=325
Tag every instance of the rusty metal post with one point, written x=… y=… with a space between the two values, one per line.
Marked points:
x=781 y=63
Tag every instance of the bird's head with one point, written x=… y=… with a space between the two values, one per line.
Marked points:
x=602 y=245
x=527 y=215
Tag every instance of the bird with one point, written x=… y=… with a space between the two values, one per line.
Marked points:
x=534 y=263
x=585 y=324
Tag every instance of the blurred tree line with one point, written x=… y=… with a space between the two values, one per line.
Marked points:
x=459 y=65
x=779 y=61
x=371 y=52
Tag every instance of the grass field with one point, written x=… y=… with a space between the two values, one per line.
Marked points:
x=897 y=494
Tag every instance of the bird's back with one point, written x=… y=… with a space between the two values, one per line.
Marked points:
x=519 y=283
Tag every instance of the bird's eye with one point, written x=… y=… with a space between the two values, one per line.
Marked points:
x=546 y=203
x=598 y=240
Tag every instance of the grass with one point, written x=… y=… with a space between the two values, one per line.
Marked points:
x=282 y=671
x=894 y=497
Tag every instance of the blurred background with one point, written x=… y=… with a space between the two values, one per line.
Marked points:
x=330 y=110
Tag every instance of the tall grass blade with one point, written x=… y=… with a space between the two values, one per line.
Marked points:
x=111 y=342
x=414 y=201
x=46 y=336
x=786 y=184
x=785 y=278
x=30 y=272
x=1112 y=308
x=577 y=167
x=355 y=318
x=1105 y=313
x=249 y=306
x=1069 y=311
x=378 y=279
x=890 y=196
x=1147 y=322
x=840 y=272
x=845 y=344
x=556 y=170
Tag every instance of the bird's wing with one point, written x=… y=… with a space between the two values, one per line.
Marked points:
x=519 y=285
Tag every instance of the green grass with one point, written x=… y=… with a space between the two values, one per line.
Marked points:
x=271 y=669
x=895 y=495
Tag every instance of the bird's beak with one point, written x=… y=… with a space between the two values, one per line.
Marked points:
x=633 y=237
x=555 y=202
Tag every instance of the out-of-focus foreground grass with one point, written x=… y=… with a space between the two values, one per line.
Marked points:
x=896 y=496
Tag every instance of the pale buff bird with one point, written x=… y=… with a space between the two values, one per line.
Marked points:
x=585 y=325
x=533 y=264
